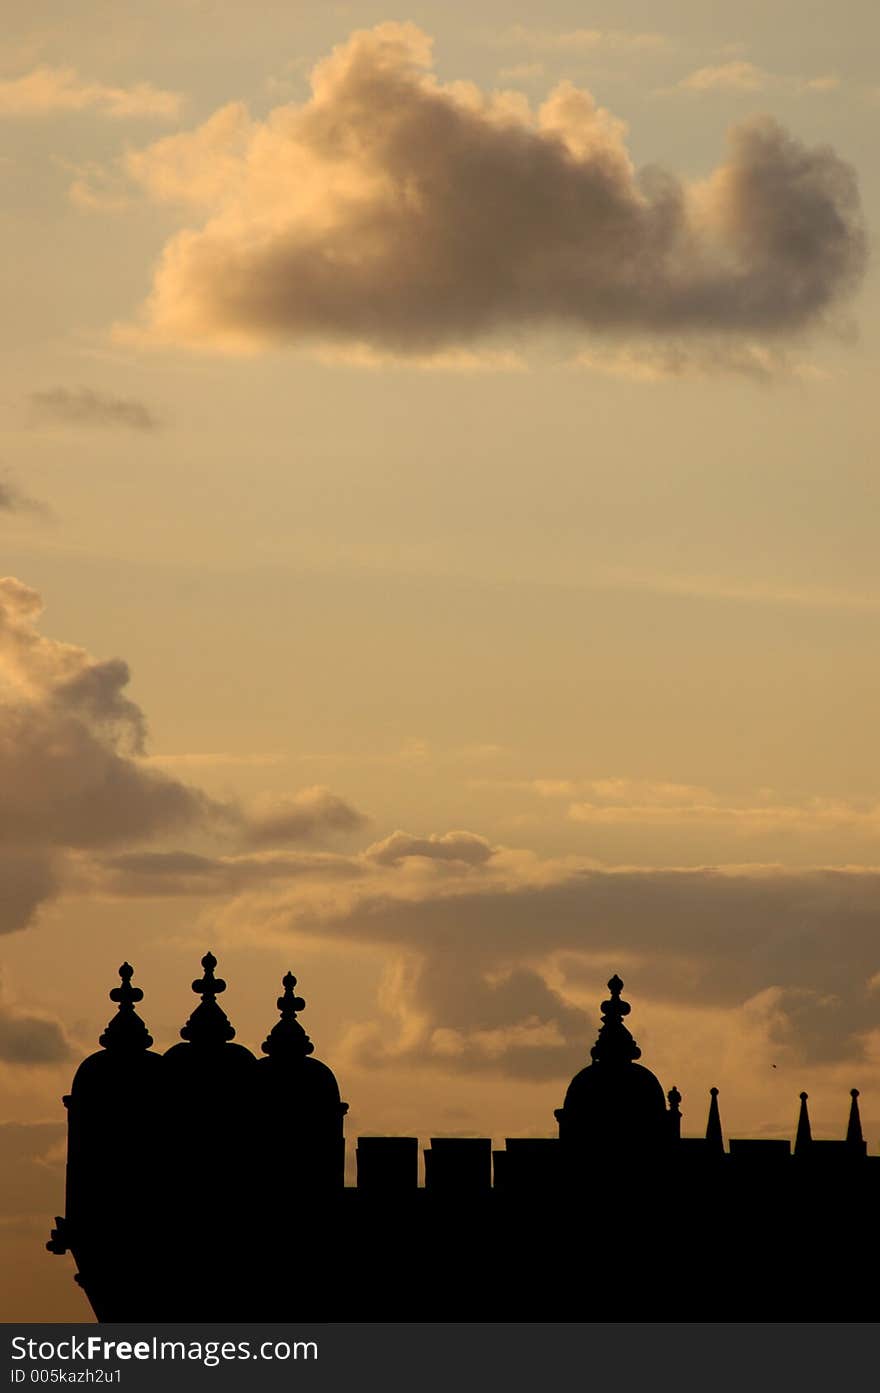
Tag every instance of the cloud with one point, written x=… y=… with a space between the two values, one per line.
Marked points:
x=31 y=1038
x=522 y=72
x=212 y=759
x=313 y=812
x=740 y=76
x=758 y=592
x=402 y=216
x=69 y=741
x=47 y=91
x=84 y=407
x=513 y=1023
x=706 y=810
x=463 y=847
x=674 y=358
x=80 y=792
x=158 y=874
x=625 y=802
x=32 y=1166
x=29 y=876
x=13 y=500
x=796 y=948
x=579 y=41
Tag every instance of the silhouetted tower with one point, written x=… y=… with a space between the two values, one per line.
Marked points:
x=113 y=1154
x=302 y=1110
x=614 y=1111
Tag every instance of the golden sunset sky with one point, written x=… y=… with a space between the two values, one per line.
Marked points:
x=439 y=505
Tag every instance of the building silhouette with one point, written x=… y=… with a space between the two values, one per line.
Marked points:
x=207 y=1184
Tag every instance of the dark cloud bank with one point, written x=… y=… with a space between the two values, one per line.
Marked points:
x=473 y=954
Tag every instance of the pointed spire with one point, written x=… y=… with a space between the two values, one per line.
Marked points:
x=126 y=1031
x=614 y=1045
x=208 y=1024
x=714 y=1134
x=854 y=1136
x=804 y=1134
x=287 y=1040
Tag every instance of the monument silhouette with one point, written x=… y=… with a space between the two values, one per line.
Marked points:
x=207 y=1184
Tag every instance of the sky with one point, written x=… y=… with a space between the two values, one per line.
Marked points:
x=439 y=535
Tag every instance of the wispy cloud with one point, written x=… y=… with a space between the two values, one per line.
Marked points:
x=675 y=359
x=210 y=760
x=582 y=40
x=742 y=77
x=622 y=801
x=83 y=406
x=522 y=72
x=743 y=591
x=14 y=500
x=47 y=91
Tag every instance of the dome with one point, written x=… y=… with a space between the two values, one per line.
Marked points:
x=206 y=1052
x=628 y=1087
x=614 y=1104
x=125 y=1059
x=307 y=1083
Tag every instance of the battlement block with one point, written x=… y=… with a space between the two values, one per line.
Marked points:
x=387 y=1165
x=833 y=1153
x=458 y=1165
x=761 y=1152
x=693 y=1153
x=528 y=1163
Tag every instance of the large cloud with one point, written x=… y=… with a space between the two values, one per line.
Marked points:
x=393 y=212
x=76 y=785
x=489 y=963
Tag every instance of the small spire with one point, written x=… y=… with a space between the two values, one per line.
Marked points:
x=854 y=1136
x=287 y=1040
x=714 y=1134
x=126 y=1031
x=208 y=1024
x=804 y=1134
x=614 y=1045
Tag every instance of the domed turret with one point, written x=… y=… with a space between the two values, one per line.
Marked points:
x=113 y=1156
x=303 y=1100
x=614 y=1109
x=212 y=1117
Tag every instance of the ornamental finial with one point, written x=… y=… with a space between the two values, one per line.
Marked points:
x=615 y=1045
x=126 y=1031
x=209 y=1023
x=287 y=1039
